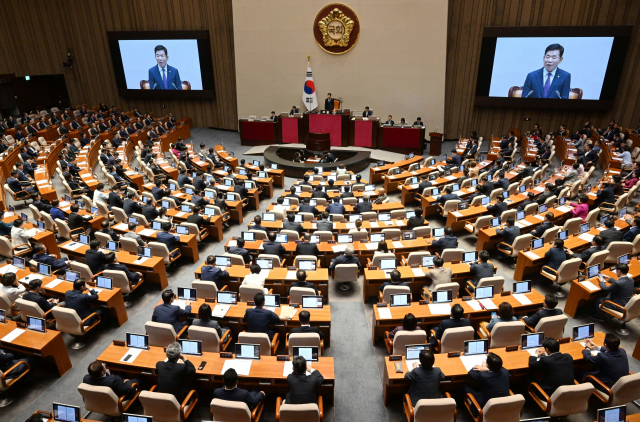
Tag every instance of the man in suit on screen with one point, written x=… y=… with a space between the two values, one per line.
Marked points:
x=550 y=81
x=163 y=76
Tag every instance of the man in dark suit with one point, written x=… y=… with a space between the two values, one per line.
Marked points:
x=633 y=231
x=346 y=258
x=389 y=121
x=302 y=387
x=612 y=361
x=493 y=379
x=305 y=326
x=75 y=220
x=290 y=224
x=41 y=256
x=171 y=314
x=112 y=264
x=366 y=205
x=318 y=193
x=163 y=76
x=324 y=224
x=527 y=171
x=329 y=103
x=33 y=295
x=293 y=111
x=546 y=225
x=618 y=291
x=417 y=220
x=94 y=258
x=240 y=250
x=99 y=377
x=306 y=248
x=114 y=198
x=448 y=196
x=424 y=183
x=510 y=232
x=168 y=238
x=241 y=190
x=212 y=273
x=485 y=187
x=472 y=151
x=336 y=207
x=394 y=277
x=273 y=248
x=231 y=392
x=531 y=199
x=425 y=379
x=549 y=81
x=174 y=373
x=301 y=281
x=610 y=234
x=418 y=122
x=81 y=303
x=456 y=159
x=367 y=112
x=548 y=192
x=131 y=205
x=448 y=241
x=109 y=231
x=591 y=155
x=183 y=178
x=605 y=194
x=258 y=319
x=499 y=207
x=482 y=268
x=548 y=310
x=596 y=246
x=557 y=367
x=457 y=320
x=307 y=207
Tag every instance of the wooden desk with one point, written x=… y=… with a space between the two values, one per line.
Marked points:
x=46 y=237
x=276 y=175
x=376 y=173
x=265 y=374
x=258 y=132
x=426 y=319
x=188 y=244
x=153 y=268
x=517 y=363
x=402 y=139
x=172 y=136
x=49 y=345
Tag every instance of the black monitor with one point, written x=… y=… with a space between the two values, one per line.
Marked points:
x=265 y=263
x=66 y=413
x=191 y=347
x=585 y=228
x=414 y=350
x=408 y=235
x=376 y=237
x=439 y=232
x=83 y=238
x=156 y=225
x=248 y=236
x=36 y=324
x=312 y=302
x=623 y=259
x=112 y=246
x=468 y=257
x=388 y=263
x=137 y=341
x=44 y=269
x=310 y=353
x=427 y=261
x=532 y=341
x=442 y=296
x=307 y=264
x=129 y=417
x=268 y=216
x=593 y=271
x=537 y=243
x=522 y=287
x=223 y=261
x=612 y=414
x=272 y=301
x=247 y=351
x=401 y=299
x=563 y=235
x=186 y=294
x=18 y=262
x=182 y=230
x=476 y=347
x=3 y=316
x=229 y=298
x=582 y=332
x=485 y=292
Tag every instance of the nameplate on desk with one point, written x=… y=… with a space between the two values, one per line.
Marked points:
x=507 y=293
x=209 y=300
x=373 y=268
x=453 y=354
x=381 y=304
x=294 y=305
x=424 y=302
x=331 y=242
x=466 y=298
x=21 y=325
x=283 y=358
x=512 y=348
x=251 y=304
x=564 y=340
x=118 y=343
x=395 y=357
x=226 y=355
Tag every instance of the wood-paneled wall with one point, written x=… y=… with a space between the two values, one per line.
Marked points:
x=36 y=35
x=467 y=18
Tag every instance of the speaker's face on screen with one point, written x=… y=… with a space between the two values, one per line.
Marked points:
x=552 y=59
x=161 y=58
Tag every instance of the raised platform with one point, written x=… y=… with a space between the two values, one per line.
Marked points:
x=376 y=154
x=355 y=161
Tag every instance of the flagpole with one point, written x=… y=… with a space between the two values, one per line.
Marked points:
x=309 y=61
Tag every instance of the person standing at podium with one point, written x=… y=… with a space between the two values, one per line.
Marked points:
x=293 y=111
x=418 y=122
x=329 y=103
x=367 y=112
x=389 y=121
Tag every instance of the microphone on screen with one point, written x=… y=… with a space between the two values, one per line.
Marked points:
x=530 y=92
x=155 y=85
x=558 y=94
x=174 y=85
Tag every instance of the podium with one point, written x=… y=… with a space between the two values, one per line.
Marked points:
x=318 y=142
x=435 y=143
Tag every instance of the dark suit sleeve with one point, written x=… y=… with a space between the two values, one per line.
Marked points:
x=189 y=369
x=273 y=318
x=120 y=388
x=317 y=378
x=527 y=86
x=566 y=87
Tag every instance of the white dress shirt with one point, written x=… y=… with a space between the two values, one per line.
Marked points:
x=254 y=280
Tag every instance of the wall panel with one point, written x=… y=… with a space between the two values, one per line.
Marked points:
x=36 y=35
x=466 y=22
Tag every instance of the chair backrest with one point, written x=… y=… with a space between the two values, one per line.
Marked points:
x=416 y=257
x=274 y=258
x=392 y=233
x=395 y=214
x=29 y=308
x=35 y=213
x=521 y=242
x=49 y=224
x=506 y=214
x=141 y=218
x=325 y=236
x=570 y=399
x=260 y=234
x=506 y=334
x=568 y=270
x=208 y=336
x=495 y=193
x=128 y=244
x=592 y=217
x=345 y=273
x=120 y=280
x=296 y=293
x=225 y=410
x=63 y=229
x=452 y=254
x=392 y=290
x=454 y=287
x=441 y=410
x=386 y=255
x=160 y=250
x=551 y=233
x=162 y=407
x=598 y=258
x=299 y=412
x=423 y=231
x=305 y=257
x=304 y=339
x=450 y=205
x=247 y=293
x=402 y=338
x=626 y=389
x=550 y=201
x=552 y=326
x=160 y=334
x=205 y=289
x=256 y=338
x=616 y=249
x=501 y=409
x=99 y=399
x=531 y=209
x=572 y=225
x=103 y=238
x=359 y=236
x=497 y=282
x=67 y=321
x=453 y=339
x=633 y=308
x=292 y=235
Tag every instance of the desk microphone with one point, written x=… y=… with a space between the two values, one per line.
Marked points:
x=558 y=94
x=155 y=85
x=175 y=87
x=530 y=92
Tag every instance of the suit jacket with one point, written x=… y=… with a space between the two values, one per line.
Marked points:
x=364 y=207
x=73 y=299
x=182 y=179
x=306 y=284
x=535 y=81
x=611 y=235
x=539 y=231
x=150 y=213
x=273 y=248
x=509 y=233
x=447 y=197
x=631 y=234
x=172 y=378
x=481 y=270
x=307 y=249
x=414 y=222
x=114 y=382
x=45 y=258
x=586 y=254
x=492 y=384
x=131 y=276
x=208 y=323
x=168 y=239
x=302 y=388
x=498 y=208
x=544 y=196
x=306 y=329
x=115 y=200
x=259 y=319
x=620 y=290
x=173 y=78
x=250 y=398
x=591 y=156
x=425 y=383
x=215 y=274
x=527 y=172
x=308 y=208
x=439 y=275
x=611 y=365
x=288 y=225
x=130 y=206
x=95 y=260
x=329 y=104
x=445 y=324
x=242 y=252
x=534 y=319
x=40 y=300
x=335 y=208
x=557 y=368
x=170 y=314
x=555 y=257
x=446 y=242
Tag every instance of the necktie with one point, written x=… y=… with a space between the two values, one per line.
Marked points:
x=164 y=78
x=547 y=85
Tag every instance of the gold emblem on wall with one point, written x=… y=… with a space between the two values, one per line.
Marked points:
x=336 y=28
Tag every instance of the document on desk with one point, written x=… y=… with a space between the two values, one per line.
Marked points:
x=384 y=313
x=30 y=277
x=12 y=335
x=523 y=299
x=288 y=369
x=440 y=309
x=488 y=304
x=519 y=224
x=475 y=305
x=287 y=312
x=593 y=352
x=456 y=213
x=242 y=366
x=417 y=272
x=532 y=351
x=121 y=226
x=265 y=273
x=132 y=354
x=180 y=214
x=219 y=311
x=564 y=208
x=589 y=285
x=32 y=232
x=54 y=283
x=539 y=216
x=539 y=189
x=397 y=244
x=12 y=269
x=350 y=225
x=451 y=177
x=473 y=360
x=400 y=223
x=291 y=275
x=389 y=223
x=374 y=224
x=532 y=255
x=140 y=260
x=339 y=248
x=147 y=232
x=181 y=303
x=415 y=186
x=586 y=236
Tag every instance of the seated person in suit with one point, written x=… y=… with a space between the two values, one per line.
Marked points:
x=365 y=206
x=395 y=281
x=112 y=264
x=109 y=231
x=307 y=248
x=33 y=294
x=174 y=373
x=425 y=378
x=8 y=361
x=75 y=220
x=546 y=225
x=367 y=112
x=499 y=207
x=409 y=323
x=596 y=246
x=336 y=207
x=346 y=258
x=307 y=207
x=556 y=255
x=5 y=228
x=40 y=255
x=548 y=310
x=210 y=272
x=493 y=379
x=11 y=287
x=231 y=392
x=548 y=192
x=196 y=216
x=633 y=231
x=293 y=111
x=324 y=224
x=131 y=234
x=240 y=250
x=505 y=314
x=259 y=319
x=439 y=274
x=205 y=320
x=171 y=314
x=510 y=232
x=557 y=367
x=255 y=279
x=301 y=281
x=605 y=194
x=80 y=302
x=446 y=242
x=290 y=224
x=94 y=258
x=610 y=234
x=167 y=237
x=98 y=376
x=305 y=326
x=417 y=220
x=257 y=224
x=618 y=291
x=273 y=248
x=302 y=387
x=482 y=268
x=612 y=360
x=457 y=320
